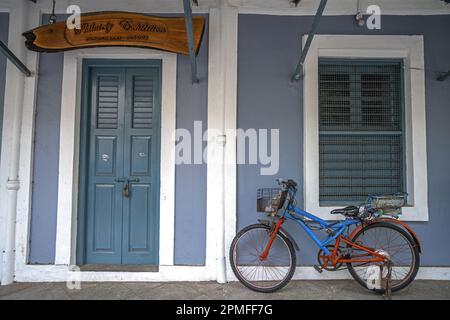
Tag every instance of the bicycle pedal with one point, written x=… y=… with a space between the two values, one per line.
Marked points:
x=318 y=269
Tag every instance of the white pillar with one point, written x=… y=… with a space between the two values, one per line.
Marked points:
x=24 y=196
x=12 y=122
x=221 y=154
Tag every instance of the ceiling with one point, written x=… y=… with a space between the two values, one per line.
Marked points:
x=305 y=7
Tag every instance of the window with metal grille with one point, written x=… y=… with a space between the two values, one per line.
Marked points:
x=361 y=131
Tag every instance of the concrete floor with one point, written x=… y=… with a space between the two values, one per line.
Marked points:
x=302 y=290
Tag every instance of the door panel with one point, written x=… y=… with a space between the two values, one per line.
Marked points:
x=122 y=226
x=104 y=212
x=140 y=242
x=139 y=230
x=140 y=164
x=106 y=156
x=104 y=205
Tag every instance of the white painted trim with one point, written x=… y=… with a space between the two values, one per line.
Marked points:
x=24 y=197
x=69 y=140
x=265 y=7
x=9 y=5
x=270 y=7
x=221 y=151
x=60 y=273
x=409 y=48
x=341 y=7
x=3 y=168
x=425 y=273
x=36 y=273
x=310 y=273
x=230 y=25
x=167 y=162
x=212 y=199
x=342 y=12
x=16 y=101
x=143 y=6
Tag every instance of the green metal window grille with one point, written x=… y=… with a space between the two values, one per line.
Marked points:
x=361 y=129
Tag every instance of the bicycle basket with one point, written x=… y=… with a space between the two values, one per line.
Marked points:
x=270 y=200
x=388 y=204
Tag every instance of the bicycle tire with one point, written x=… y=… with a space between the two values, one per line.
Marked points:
x=412 y=274
x=291 y=251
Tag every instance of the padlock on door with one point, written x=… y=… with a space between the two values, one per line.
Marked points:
x=126 y=187
x=126 y=190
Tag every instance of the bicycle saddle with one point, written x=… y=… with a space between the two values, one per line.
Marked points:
x=349 y=211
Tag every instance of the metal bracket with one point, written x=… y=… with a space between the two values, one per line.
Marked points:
x=443 y=76
x=13 y=58
x=298 y=74
x=190 y=34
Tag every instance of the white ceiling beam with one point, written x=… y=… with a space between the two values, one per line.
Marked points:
x=275 y=7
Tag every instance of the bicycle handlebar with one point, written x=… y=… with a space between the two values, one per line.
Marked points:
x=287 y=184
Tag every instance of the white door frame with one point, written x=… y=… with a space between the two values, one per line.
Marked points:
x=69 y=149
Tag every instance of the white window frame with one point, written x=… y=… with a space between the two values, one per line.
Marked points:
x=411 y=50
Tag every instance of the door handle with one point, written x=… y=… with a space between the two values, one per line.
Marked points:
x=126 y=179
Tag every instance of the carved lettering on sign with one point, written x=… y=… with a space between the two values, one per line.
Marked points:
x=117 y=29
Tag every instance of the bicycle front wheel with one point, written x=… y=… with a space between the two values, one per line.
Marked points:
x=262 y=275
x=396 y=244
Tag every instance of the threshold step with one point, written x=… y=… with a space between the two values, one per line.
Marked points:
x=119 y=268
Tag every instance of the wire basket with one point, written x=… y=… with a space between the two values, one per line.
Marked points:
x=388 y=204
x=270 y=200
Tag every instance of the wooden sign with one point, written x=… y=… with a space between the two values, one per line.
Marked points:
x=124 y=29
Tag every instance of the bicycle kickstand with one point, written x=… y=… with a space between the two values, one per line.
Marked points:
x=388 y=292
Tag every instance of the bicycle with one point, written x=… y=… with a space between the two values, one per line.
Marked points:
x=381 y=253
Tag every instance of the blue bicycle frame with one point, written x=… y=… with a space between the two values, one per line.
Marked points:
x=338 y=227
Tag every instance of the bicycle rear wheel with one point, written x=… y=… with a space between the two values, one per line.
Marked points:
x=397 y=245
x=262 y=275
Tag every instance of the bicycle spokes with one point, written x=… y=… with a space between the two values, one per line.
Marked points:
x=395 y=247
x=262 y=258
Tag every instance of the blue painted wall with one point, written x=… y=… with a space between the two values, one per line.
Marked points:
x=46 y=158
x=190 y=206
x=269 y=48
x=268 y=52
x=4 y=27
x=190 y=221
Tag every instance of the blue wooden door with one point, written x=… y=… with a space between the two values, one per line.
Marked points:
x=122 y=225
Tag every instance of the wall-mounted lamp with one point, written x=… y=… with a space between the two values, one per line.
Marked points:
x=52 y=18
x=360 y=19
x=444 y=75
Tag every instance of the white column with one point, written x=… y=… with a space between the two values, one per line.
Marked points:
x=12 y=123
x=24 y=198
x=221 y=154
